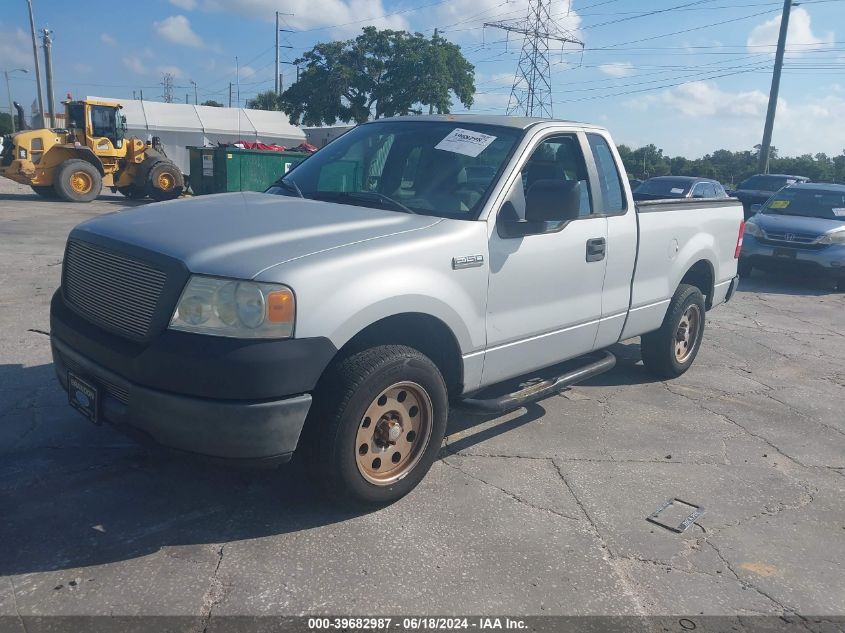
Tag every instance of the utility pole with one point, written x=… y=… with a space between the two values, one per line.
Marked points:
x=35 y=59
x=238 y=81
x=278 y=81
x=196 y=99
x=133 y=95
x=765 y=147
x=434 y=40
x=9 y=92
x=48 y=71
x=230 y=94
x=531 y=93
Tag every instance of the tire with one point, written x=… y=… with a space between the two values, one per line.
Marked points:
x=744 y=268
x=664 y=352
x=347 y=449
x=78 y=181
x=132 y=192
x=45 y=191
x=165 y=181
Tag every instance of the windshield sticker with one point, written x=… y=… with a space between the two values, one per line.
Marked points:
x=839 y=213
x=465 y=142
x=677 y=190
x=779 y=204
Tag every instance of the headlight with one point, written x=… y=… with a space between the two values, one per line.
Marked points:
x=834 y=237
x=239 y=309
x=753 y=230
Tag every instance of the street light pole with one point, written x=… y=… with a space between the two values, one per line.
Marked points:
x=9 y=92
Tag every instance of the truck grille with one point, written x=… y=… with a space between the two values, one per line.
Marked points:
x=111 y=290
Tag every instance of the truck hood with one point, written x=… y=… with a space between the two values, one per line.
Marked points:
x=241 y=234
x=779 y=223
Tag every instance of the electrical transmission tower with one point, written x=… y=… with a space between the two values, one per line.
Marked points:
x=531 y=94
x=167 y=86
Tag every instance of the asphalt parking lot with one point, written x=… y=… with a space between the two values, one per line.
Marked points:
x=538 y=512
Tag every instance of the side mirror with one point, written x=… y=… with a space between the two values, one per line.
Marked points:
x=553 y=201
x=548 y=205
x=756 y=208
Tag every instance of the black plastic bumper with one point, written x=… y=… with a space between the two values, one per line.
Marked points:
x=198 y=365
x=263 y=430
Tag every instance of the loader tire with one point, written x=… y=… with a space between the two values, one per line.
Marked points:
x=45 y=191
x=165 y=181
x=78 y=181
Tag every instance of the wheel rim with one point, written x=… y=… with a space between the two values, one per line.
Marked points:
x=394 y=433
x=166 y=182
x=686 y=335
x=81 y=182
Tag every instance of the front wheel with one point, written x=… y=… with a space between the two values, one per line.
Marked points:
x=671 y=350
x=165 y=181
x=377 y=423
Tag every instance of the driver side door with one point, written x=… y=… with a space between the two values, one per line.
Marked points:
x=545 y=291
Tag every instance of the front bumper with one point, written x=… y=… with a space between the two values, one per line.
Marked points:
x=217 y=397
x=828 y=261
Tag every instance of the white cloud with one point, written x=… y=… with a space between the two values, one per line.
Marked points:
x=185 y=5
x=734 y=120
x=15 y=49
x=82 y=69
x=134 y=63
x=617 y=69
x=309 y=14
x=177 y=29
x=800 y=36
x=172 y=70
x=105 y=38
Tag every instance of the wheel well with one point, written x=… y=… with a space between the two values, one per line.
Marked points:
x=85 y=153
x=701 y=276
x=424 y=333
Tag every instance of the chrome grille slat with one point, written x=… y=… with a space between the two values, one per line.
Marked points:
x=110 y=289
x=118 y=393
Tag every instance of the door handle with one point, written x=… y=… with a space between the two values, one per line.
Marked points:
x=596 y=249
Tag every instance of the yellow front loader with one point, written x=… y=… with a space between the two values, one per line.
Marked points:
x=75 y=163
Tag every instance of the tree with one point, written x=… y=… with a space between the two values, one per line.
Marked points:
x=5 y=123
x=378 y=74
x=267 y=100
x=212 y=103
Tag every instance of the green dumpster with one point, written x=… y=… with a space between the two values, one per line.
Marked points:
x=224 y=169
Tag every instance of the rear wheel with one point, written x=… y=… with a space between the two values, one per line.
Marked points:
x=45 y=191
x=671 y=350
x=166 y=182
x=378 y=419
x=78 y=181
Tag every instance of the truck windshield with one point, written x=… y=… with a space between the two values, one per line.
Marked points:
x=434 y=168
x=810 y=203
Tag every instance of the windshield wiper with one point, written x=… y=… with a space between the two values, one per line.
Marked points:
x=291 y=185
x=373 y=195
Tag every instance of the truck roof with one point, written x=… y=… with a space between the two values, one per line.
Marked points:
x=502 y=120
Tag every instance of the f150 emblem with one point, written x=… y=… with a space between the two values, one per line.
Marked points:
x=467 y=261
x=790 y=237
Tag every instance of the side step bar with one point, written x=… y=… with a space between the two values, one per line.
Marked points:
x=516 y=399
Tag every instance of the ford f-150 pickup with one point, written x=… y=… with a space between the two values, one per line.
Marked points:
x=408 y=265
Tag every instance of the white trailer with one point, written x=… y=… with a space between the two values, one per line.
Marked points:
x=181 y=125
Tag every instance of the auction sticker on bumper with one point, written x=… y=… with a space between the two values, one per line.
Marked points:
x=82 y=396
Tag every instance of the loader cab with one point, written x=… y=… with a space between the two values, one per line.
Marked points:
x=101 y=126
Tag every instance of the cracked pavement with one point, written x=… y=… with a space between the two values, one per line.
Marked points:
x=541 y=511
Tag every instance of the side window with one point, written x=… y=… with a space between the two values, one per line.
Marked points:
x=611 y=185
x=559 y=157
x=698 y=191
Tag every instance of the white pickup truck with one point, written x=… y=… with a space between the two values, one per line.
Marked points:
x=408 y=265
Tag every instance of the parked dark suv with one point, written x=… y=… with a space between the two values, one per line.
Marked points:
x=759 y=188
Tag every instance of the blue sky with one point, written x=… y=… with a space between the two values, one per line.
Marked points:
x=691 y=77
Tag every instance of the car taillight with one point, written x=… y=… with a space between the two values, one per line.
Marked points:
x=739 y=240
